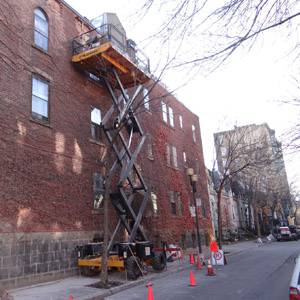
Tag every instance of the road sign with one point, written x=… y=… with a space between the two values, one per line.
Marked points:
x=217 y=258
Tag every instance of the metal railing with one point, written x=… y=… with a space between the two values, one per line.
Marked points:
x=110 y=33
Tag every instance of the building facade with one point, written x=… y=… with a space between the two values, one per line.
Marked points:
x=262 y=186
x=229 y=208
x=52 y=150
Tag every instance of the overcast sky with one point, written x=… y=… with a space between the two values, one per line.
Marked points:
x=245 y=90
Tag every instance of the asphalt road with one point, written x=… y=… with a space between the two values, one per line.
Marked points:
x=254 y=273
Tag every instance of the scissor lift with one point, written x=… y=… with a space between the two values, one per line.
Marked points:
x=113 y=62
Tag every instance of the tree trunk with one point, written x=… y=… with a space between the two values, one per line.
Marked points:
x=249 y=215
x=104 y=268
x=257 y=222
x=219 y=195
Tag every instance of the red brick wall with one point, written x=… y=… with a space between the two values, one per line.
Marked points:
x=163 y=177
x=45 y=183
x=46 y=177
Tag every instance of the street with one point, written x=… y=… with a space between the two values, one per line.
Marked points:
x=255 y=273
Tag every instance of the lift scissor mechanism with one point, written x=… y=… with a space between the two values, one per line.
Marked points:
x=98 y=54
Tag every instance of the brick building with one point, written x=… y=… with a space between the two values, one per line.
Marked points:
x=264 y=184
x=52 y=149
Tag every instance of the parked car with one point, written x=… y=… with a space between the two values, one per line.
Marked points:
x=295 y=281
x=283 y=234
x=295 y=232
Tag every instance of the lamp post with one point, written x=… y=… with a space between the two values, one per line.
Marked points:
x=193 y=179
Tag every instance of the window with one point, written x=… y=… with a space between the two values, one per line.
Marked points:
x=40 y=29
x=146 y=99
x=93 y=77
x=171 y=155
x=174 y=154
x=167 y=113
x=184 y=157
x=150 y=147
x=171 y=116
x=172 y=202
x=98 y=190
x=40 y=95
x=194 y=133
x=180 y=122
x=223 y=151
x=95 y=123
x=179 y=204
x=154 y=203
x=164 y=111
x=168 y=154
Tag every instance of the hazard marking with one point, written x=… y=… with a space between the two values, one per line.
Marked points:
x=218 y=255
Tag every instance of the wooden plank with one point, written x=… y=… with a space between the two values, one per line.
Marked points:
x=115 y=63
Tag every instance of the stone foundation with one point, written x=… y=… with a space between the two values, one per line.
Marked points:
x=29 y=258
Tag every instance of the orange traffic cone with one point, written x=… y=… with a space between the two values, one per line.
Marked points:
x=210 y=269
x=192 y=260
x=150 y=291
x=199 y=264
x=71 y=297
x=192 y=279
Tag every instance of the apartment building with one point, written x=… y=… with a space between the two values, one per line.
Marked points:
x=53 y=154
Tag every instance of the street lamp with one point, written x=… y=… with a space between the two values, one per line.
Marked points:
x=193 y=179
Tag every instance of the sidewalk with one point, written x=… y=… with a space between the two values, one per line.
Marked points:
x=78 y=286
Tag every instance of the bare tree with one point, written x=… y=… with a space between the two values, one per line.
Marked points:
x=238 y=152
x=292 y=136
x=220 y=27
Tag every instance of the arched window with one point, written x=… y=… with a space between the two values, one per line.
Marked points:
x=40 y=29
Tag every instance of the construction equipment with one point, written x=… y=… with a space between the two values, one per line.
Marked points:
x=108 y=57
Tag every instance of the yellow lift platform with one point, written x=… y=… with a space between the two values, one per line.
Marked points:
x=98 y=50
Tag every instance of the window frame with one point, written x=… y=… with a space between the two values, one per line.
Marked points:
x=35 y=115
x=184 y=157
x=97 y=191
x=179 y=204
x=164 y=109
x=146 y=99
x=150 y=152
x=181 y=121
x=153 y=197
x=194 y=133
x=174 y=157
x=38 y=31
x=96 y=125
x=172 y=201
x=171 y=116
x=168 y=155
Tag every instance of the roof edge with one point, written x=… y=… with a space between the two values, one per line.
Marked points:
x=81 y=17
